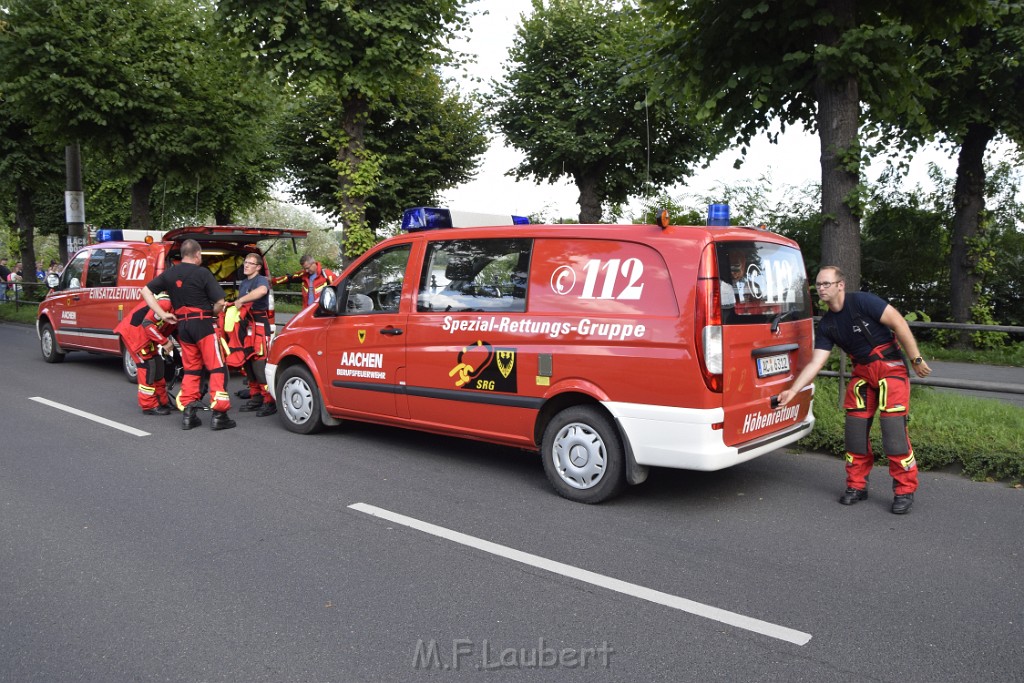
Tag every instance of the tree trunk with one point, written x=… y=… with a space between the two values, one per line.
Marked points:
x=968 y=203
x=590 y=200
x=25 y=219
x=222 y=216
x=838 y=122
x=142 y=190
x=352 y=191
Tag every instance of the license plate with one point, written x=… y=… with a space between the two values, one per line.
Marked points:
x=772 y=365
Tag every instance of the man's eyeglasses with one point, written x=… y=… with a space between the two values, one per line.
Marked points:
x=251 y=263
x=825 y=285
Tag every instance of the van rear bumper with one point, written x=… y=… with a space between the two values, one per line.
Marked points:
x=683 y=438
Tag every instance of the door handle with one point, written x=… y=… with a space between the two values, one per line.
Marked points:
x=392 y=331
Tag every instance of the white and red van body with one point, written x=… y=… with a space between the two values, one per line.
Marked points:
x=608 y=348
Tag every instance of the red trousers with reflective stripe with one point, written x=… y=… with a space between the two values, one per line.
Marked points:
x=152 y=390
x=200 y=351
x=881 y=385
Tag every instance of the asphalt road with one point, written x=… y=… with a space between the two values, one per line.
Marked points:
x=238 y=556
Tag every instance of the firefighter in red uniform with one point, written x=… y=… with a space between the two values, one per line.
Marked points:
x=144 y=336
x=313 y=276
x=253 y=303
x=868 y=328
x=197 y=298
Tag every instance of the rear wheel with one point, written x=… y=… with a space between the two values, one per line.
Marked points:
x=48 y=344
x=583 y=455
x=299 y=401
x=131 y=371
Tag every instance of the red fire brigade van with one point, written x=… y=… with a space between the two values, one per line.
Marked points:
x=607 y=348
x=101 y=283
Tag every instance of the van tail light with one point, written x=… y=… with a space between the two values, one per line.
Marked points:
x=709 y=320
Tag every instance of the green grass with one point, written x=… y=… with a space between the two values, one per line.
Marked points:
x=982 y=437
x=23 y=314
x=1012 y=355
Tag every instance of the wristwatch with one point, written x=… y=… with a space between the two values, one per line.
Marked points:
x=918 y=360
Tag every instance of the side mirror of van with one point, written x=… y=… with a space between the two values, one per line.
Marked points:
x=328 y=305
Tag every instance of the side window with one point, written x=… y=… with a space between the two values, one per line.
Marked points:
x=102 y=271
x=475 y=275
x=376 y=287
x=71 y=278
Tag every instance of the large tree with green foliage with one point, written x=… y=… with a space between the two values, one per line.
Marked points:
x=566 y=104
x=754 y=64
x=975 y=82
x=358 y=53
x=427 y=141
x=148 y=84
x=28 y=168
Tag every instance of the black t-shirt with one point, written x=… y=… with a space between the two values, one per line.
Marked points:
x=862 y=312
x=4 y=272
x=188 y=285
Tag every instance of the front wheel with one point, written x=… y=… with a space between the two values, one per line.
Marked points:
x=583 y=455
x=299 y=401
x=48 y=345
x=131 y=370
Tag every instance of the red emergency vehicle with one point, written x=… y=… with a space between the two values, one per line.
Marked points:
x=608 y=348
x=101 y=283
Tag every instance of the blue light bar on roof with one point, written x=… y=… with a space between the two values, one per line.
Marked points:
x=718 y=214
x=426 y=218
x=520 y=220
x=109 y=235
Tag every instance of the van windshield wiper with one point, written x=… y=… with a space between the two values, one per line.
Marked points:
x=779 y=318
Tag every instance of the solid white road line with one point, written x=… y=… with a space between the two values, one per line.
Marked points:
x=89 y=416
x=673 y=601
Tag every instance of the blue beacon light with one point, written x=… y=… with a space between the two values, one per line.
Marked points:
x=718 y=214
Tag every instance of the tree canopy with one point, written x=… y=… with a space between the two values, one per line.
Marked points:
x=752 y=65
x=355 y=53
x=568 y=103
x=427 y=141
x=148 y=83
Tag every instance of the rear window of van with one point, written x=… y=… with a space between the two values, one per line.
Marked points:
x=760 y=281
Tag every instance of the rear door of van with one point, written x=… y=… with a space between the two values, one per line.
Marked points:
x=767 y=336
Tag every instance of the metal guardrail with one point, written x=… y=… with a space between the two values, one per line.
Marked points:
x=968 y=384
x=16 y=292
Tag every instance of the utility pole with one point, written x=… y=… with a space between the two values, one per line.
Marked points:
x=74 y=199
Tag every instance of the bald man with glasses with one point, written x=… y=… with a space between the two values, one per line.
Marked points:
x=872 y=332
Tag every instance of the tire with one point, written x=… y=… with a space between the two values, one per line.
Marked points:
x=131 y=372
x=583 y=455
x=299 y=402
x=48 y=345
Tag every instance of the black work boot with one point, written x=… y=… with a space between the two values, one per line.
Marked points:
x=901 y=503
x=267 y=409
x=221 y=421
x=189 y=417
x=252 y=405
x=851 y=496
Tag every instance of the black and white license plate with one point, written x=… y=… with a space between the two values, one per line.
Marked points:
x=772 y=365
